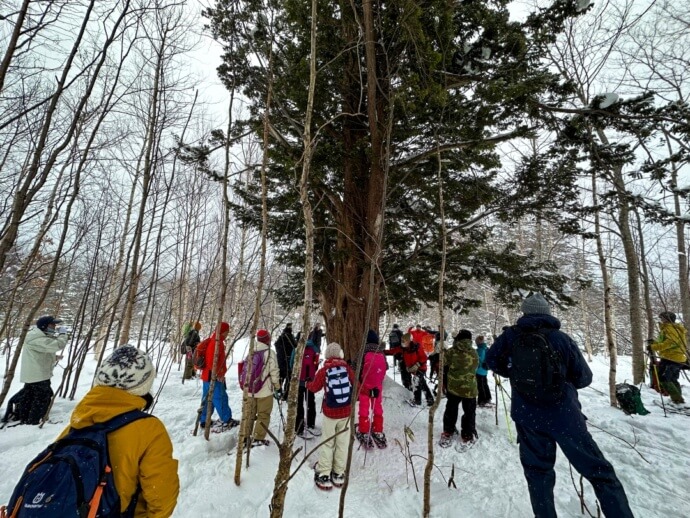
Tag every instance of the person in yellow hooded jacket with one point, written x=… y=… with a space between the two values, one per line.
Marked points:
x=141 y=453
x=672 y=347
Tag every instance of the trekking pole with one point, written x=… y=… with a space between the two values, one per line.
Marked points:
x=280 y=411
x=496 y=382
x=652 y=358
x=505 y=410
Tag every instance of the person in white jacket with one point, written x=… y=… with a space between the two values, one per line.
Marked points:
x=261 y=393
x=39 y=355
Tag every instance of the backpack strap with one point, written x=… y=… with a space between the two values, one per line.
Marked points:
x=123 y=419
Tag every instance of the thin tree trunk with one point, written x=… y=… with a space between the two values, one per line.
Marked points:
x=280 y=485
x=608 y=307
x=441 y=303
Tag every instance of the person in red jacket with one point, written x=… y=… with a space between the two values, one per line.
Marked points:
x=415 y=362
x=219 y=400
x=337 y=378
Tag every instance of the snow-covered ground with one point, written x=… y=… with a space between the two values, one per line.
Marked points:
x=488 y=476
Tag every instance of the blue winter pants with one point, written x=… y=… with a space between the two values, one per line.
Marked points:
x=220 y=402
x=538 y=455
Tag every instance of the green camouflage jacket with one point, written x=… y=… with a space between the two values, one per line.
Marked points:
x=461 y=362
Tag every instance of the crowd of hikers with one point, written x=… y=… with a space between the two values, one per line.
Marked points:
x=114 y=457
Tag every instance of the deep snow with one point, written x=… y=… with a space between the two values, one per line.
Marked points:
x=488 y=476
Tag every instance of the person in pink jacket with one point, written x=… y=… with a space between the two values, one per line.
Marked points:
x=374 y=365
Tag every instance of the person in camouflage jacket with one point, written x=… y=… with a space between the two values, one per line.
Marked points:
x=460 y=387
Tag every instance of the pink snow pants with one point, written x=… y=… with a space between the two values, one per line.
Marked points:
x=365 y=403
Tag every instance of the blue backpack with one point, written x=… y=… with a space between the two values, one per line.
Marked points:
x=72 y=477
x=338 y=387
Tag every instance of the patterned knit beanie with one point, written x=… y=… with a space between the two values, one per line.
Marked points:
x=128 y=369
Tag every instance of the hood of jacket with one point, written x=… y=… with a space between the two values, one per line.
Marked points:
x=534 y=322
x=102 y=403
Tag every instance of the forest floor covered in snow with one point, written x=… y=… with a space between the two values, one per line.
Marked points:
x=655 y=472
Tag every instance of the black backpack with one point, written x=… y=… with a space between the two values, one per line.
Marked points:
x=536 y=369
x=394 y=339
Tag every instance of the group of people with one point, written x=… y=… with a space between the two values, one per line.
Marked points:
x=546 y=411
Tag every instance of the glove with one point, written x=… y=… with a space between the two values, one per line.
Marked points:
x=62 y=330
x=278 y=394
x=413 y=369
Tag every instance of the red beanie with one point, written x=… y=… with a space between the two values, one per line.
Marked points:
x=263 y=336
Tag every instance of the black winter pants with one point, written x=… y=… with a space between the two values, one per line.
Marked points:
x=305 y=397
x=35 y=402
x=484 y=396
x=422 y=386
x=405 y=376
x=538 y=455
x=468 y=429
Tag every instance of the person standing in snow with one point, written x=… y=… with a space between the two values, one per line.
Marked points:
x=39 y=356
x=541 y=426
x=316 y=335
x=191 y=340
x=671 y=345
x=219 y=398
x=415 y=360
x=460 y=387
x=260 y=403
x=284 y=346
x=305 y=398
x=394 y=342
x=370 y=399
x=141 y=453
x=483 y=391
x=334 y=376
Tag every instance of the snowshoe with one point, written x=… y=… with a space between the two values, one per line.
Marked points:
x=446 y=440
x=260 y=442
x=304 y=434
x=380 y=440
x=365 y=440
x=487 y=405
x=413 y=403
x=224 y=427
x=316 y=432
x=323 y=482
x=674 y=409
x=337 y=480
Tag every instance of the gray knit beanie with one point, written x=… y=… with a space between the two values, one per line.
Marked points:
x=535 y=304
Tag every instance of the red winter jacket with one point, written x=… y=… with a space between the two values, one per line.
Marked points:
x=319 y=382
x=208 y=348
x=411 y=355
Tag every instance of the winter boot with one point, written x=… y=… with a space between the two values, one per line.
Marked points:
x=365 y=440
x=446 y=440
x=337 y=479
x=380 y=439
x=323 y=481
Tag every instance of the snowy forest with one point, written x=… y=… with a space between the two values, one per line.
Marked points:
x=355 y=164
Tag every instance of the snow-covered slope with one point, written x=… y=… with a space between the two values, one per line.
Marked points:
x=488 y=476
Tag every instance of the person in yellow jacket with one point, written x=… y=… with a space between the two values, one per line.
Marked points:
x=141 y=451
x=672 y=346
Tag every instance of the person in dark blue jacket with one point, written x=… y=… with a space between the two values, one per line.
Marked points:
x=541 y=426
